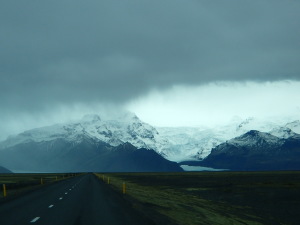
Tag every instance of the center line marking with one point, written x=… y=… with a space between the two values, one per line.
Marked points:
x=66 y=193
x=35 y=219
x=60 y=198
x=50 y=206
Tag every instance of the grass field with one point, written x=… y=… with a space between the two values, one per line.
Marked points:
x=217 y=198
x=213 y=197
x=18 y=183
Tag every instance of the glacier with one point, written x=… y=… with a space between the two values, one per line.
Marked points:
x=174 y=143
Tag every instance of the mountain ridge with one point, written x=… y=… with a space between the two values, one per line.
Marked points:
x=4 y=170
x=87 y=155
x=256 y=150
x=175 y=144
x=113 y=132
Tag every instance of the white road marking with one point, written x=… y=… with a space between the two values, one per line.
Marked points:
x=35 y=219
x=70 y=189
x=66 y=193
x=60 y=198
x=50 y=206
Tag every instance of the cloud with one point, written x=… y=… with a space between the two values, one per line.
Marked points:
x=14 y=122
x=217 y=103
x=69 y=52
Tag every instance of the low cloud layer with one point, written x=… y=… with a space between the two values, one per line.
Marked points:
x=70 y=52
x=218 y=103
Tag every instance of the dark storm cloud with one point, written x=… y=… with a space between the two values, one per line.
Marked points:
x=74 y=51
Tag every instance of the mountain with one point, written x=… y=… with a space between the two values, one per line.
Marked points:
x=127 y=128
x=283 y=132
x=196 y=143
x=256 y=150
x=295 y=126
x=4 y=170
x=173 y=143
x=85 y=155
x=90 y=144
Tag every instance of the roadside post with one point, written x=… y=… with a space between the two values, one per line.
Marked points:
x=42 y=181
x=124 y=188
x=107 y=180
x=4 y=190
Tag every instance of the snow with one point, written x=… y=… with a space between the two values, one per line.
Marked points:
x=252 y=138
x=188 y=143
x=176 y=144
x=282 y=132
x=91 y=118
x=114 y=132
x=294 y=126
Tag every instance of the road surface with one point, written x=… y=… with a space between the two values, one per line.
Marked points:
x=82 y=200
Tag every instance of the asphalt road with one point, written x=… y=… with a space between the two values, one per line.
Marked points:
x=82 y=200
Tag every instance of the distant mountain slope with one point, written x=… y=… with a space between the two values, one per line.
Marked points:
x=256 y=151
x=90 y=144
x=187 y=143
x=4 y=170
x=295 y=126
x=127 y=128
x=84 y=155
x=175 y=143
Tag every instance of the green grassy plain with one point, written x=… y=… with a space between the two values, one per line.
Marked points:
x=217 y=198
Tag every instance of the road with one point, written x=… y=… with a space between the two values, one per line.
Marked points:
x=82 y=200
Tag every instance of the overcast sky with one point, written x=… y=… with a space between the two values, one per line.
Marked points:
x=172 y=62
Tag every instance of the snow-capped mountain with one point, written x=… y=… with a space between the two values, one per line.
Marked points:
x=90 y=144
x=127 y=128
x=256 y=150
x=252 y=140
x=175 y=144
x=197 y=143
x=88 y=155
x=294 y=126
x=283 y=132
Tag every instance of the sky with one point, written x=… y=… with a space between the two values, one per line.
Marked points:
x=172 y=62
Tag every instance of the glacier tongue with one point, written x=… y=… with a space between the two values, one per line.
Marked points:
x=186 y=143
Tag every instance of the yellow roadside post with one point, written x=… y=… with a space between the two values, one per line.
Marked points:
x=107 y=180
x=124 y=188
x=4 y=190
x=56 y=178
